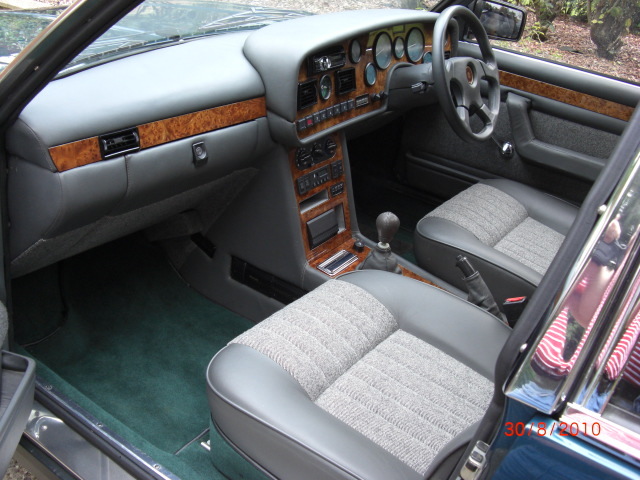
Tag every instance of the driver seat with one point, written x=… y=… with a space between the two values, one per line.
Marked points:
x=510 y=232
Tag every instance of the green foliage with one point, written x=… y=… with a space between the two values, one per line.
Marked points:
x=576 y=8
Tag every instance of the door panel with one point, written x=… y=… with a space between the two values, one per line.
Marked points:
x=563 y=133
x=17 y=384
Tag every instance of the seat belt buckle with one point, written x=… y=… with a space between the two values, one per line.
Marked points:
x=513 y=307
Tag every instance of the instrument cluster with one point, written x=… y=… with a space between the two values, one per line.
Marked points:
x=349 y=79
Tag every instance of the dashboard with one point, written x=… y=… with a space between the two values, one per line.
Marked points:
x=126 y=144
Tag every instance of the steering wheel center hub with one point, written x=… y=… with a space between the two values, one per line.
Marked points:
x=470 y=75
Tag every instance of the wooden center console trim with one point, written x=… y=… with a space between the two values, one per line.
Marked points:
x=564 y=95
x=332 y=202
x=348 y=246
x=344 y=240
x=84 y=152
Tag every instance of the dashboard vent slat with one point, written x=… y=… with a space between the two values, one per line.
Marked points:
x=307 y=94
x=345 y=81
x=117 y=143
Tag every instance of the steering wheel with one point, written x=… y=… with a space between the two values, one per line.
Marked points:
x=457 y=80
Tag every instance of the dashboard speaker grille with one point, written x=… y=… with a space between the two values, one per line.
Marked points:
x=345 y=80
x=117 y=143
x=307 y=94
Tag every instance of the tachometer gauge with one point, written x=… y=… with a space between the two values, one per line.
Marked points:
x=370 y=74
x=325 y=87
x=398 y=47
x=355 y=51
x=428 y=58
x=415 y=45
x=382 y=51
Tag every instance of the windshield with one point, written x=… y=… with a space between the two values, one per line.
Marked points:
x=157 y=23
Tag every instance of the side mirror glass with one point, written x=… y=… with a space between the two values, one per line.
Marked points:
x=501 y=21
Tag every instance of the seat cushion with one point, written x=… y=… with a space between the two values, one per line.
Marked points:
x=509 y=231
x=351 y=381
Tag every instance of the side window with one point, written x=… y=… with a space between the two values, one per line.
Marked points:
x=597 y=35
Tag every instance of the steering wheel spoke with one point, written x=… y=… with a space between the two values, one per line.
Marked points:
x=486 y=115
x=490 y=72
x=458 y=80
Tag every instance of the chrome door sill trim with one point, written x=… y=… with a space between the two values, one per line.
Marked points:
x=87 y=425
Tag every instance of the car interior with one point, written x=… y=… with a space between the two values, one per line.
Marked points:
x=344 y=176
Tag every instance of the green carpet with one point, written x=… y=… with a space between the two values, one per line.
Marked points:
x=135 y=341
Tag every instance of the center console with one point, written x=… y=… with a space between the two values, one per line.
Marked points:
x=319 y=179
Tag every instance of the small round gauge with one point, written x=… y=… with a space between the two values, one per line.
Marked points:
x=428 y=58
x=325 y=87
x=355 y=51
x=398 y=47
x=415 y=45
x=382 y=50
x=370 y=74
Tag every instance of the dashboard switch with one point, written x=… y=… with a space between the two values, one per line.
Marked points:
x=336 y=169
x=337 y=189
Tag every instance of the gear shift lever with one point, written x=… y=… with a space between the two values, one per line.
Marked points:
x=381 y=257
x=387 y=224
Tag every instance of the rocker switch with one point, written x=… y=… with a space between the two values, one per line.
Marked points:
x=200 y=156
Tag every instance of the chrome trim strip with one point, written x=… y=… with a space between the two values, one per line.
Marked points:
x=341 y=254
x=127 y=450
x=79 y=458
x=595 y=427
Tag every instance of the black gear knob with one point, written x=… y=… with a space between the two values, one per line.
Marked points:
x=387 y=224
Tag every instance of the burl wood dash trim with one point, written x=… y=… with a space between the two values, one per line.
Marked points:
x=171 y=129
x=75 y=154
x=564 y=95
x=84 y=152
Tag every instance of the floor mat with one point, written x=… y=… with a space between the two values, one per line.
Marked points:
x=136 y=341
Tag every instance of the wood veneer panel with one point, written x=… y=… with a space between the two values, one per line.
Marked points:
x=348 y=246
x=84 y=152
x=570 y=97
x=75 y=154
x=332 y=202
x=183 y=126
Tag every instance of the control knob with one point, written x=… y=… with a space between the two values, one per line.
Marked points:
x=323 y=64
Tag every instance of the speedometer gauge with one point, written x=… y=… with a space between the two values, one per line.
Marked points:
x=382 y=51
x=325 y=87
x=415 y=45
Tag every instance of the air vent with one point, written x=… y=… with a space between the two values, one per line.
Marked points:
x=307 y=94
x=345 y=80
x=117 y=143
x=447 y=54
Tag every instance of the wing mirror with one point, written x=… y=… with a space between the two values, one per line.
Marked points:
x=502 y=21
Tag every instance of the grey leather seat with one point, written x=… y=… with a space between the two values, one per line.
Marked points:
x=371 y=376
x=509 y=231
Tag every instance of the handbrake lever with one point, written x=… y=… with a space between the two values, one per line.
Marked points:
x=479 y=293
